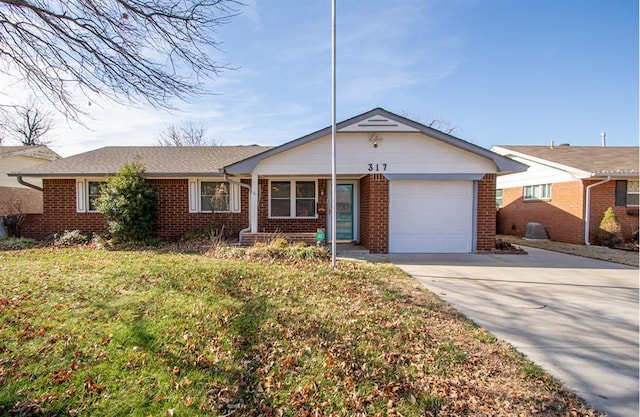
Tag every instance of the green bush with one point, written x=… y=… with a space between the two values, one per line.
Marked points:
x=609 y=233
x=129 y=204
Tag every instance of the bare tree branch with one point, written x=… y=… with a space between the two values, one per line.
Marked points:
x=188 y=133
x=28 y=125
x=130 y=51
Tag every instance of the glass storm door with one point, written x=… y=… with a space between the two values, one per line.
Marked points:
x=344 y=212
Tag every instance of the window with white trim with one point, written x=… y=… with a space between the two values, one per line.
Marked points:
x=87 y=192
x=499 y=197
x=210 y=196
x=633 y=193
x=292 y=199
x=214 y=196
x=537 y=192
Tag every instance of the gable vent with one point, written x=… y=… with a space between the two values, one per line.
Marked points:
x=378 y=121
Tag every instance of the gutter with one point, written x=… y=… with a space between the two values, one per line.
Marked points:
x=248 y=187
x=587 y=214
x=28 y=184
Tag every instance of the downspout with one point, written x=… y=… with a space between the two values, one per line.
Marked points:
x=248 y=187
x=587 y=214
x=27 y=184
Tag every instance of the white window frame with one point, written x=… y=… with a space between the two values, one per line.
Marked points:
x=82 y=194
x=637 y=192
x=292 y=198
x=500 y=198
x=195 y=195
x=543 y=190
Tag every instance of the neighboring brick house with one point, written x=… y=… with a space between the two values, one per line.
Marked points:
x=401 y=187
x=567 y=189
x=16 y=198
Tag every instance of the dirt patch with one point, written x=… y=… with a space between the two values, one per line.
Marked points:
x=621 y=256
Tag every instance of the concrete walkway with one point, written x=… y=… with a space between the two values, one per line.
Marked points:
x=575 y=317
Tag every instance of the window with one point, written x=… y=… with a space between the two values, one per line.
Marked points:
x=93 y=192
x=499 y=197
x=537 y=192
x=207 y=196
x=87 y=192
x=214 y=196
x=633 y=192
x=292 y=199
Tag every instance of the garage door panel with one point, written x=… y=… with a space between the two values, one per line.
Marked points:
x=430 y=216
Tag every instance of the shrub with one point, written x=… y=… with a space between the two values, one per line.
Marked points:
x=634 y=236
x=73 y=237
x=609 y=233
x=128 y=203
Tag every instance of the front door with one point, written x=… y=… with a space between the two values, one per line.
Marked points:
x=344 y=212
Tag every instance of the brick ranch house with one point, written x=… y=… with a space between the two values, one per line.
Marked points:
x=567 y=189
x=401 y=187
x=16 y=198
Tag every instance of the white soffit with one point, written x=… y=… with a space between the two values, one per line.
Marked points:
x=378 y=123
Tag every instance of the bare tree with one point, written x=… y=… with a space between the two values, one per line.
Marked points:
x=188 y=133
x=438 y=124
x=130 y=51
x=28 y=125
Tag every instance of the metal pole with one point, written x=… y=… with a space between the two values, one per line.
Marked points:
x=333 y=134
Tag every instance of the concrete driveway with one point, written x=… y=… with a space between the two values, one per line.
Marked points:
x=575 y=317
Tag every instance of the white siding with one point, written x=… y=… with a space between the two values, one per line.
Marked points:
x=397 y=153
x=536 y=174
x=17 y=163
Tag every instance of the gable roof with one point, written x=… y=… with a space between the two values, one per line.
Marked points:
x=380 y=119
x=158 y=161
x=39 y=152
x=591 y=160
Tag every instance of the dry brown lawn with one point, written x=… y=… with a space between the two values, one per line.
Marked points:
x=625 y=257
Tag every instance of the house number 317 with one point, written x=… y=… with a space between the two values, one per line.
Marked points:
x=376 y=167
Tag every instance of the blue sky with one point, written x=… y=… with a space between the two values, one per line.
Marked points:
x=498 y=71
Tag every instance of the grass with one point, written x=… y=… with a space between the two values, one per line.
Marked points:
x=149 y=333
x=602 y=253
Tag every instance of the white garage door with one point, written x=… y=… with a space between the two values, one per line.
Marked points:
x=430 y=216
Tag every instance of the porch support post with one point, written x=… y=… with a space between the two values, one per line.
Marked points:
x=253 y=202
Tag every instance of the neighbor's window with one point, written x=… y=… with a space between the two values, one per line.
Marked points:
x=214 y=196
x=292 y=199
x=633 y=192
x=537 y=192
x=499 y=197
x=93 y=192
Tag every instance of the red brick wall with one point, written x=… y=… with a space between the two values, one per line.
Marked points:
x=174 y=219
x=16 y=200
x=561 y=216
x=374 y=213
x=288 y=225
x=602 y=197
x=486 y=214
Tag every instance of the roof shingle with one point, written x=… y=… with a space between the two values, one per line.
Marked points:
x=157 y=160
x=593 y=159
